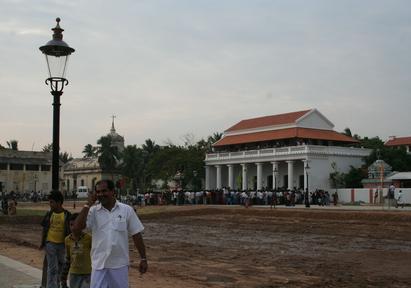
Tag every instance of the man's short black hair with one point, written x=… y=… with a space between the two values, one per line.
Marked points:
x=110 y=184
x=56 y=196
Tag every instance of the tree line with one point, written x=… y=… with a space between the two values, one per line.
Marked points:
x=139 y=166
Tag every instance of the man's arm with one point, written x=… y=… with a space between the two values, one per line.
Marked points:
x=81 y=220
x=139 y=244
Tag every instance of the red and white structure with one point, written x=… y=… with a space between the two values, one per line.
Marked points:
x=273 y=151
x=397 y=142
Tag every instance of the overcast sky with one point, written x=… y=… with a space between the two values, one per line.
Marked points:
x=171 y=68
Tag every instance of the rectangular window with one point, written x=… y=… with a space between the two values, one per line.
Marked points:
x=32 y=167
x=16 y=167
x=3 y=166
x=45 y=167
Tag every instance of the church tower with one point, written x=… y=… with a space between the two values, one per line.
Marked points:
x=116 y=139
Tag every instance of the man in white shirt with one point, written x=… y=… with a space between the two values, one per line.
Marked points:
x=110 y=223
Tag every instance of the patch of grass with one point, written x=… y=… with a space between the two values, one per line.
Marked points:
x=30 y=212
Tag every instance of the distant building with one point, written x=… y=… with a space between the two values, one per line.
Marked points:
x=397 y=142
x=400 y=179
x=87 y=171
x=25 y=171
x=273 y=151
x=377 y=175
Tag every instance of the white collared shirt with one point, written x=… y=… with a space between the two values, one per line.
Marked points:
x=110 y=232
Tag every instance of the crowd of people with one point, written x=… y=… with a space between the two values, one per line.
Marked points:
x=228 y=196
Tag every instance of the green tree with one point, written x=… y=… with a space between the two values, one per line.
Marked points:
x=347 y=131
x=107 y=154
x=13 y=144
x=132 y=165
x=337 y=178
x=64 y=156
x=48 y=148
x=89 y=151
x=354 y=176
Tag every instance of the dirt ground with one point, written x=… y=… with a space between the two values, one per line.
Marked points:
x=256 y=247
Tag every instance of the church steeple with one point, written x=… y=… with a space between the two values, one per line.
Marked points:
x=113 y=130
x=116 y=139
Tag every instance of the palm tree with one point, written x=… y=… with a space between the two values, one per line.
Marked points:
x=213 y=139
x=107 y=154
x=65 y=157
x=89 y=151
x=13 y=144
x=150 y=147
x=347 y=131
x=48 y=148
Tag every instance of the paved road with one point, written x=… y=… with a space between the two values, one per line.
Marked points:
x=15 y=274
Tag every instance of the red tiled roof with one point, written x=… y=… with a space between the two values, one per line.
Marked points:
x=398 y=141
x=289 y=133
x=280 y=119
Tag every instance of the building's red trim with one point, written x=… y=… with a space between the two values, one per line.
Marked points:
x=273 y=120
x=398 y=141
x=289 y=133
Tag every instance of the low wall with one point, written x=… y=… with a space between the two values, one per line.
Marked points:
x=366 y=195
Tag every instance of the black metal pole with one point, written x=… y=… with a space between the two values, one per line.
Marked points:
x=307 y=193
x=56 y=140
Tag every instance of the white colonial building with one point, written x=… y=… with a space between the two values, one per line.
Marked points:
x=25 y=171
x=297 y=149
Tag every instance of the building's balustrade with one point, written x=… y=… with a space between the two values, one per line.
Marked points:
x=291 y=150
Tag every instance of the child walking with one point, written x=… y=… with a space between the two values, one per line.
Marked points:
x=78 y=261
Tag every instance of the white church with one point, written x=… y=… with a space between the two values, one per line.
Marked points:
x=292 y=150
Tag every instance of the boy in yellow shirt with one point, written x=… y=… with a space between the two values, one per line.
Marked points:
x=78 y=261
x=55 y=228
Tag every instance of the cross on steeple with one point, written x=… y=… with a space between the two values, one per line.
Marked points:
x=112 y=124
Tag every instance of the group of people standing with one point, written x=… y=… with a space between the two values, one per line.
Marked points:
x=227 y=196
x=98 y=258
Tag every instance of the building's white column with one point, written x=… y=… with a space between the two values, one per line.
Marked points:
x=231 y=176
x=259 y=175
x=275 y=174
x=219 y=186
x=290 y=174
x=207 y=177
x=244 y=176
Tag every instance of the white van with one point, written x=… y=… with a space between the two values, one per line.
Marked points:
x=82 y=192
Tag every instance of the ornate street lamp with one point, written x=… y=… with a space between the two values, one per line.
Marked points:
x=307 y=193
x=57 y=53
x=275 y=177
x=36 y=178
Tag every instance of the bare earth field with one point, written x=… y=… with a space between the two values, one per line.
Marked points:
x=255 y=247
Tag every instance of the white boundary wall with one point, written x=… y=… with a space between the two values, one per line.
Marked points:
x=366 y=195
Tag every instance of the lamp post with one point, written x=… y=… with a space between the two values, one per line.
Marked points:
x=57 y=53
x=307 y=193
x=35 y=182
x=274 y=199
